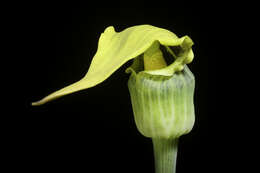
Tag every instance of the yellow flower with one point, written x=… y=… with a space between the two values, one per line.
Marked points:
x=161 y=89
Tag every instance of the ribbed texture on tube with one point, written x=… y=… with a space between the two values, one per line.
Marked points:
x=163 y=106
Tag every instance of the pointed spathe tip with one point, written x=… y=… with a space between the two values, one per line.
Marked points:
x=37 y=103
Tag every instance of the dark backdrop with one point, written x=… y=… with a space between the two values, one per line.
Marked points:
x=94 y=130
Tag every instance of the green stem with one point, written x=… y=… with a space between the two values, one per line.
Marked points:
x=165 y=155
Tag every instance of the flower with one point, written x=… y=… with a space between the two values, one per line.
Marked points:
x=161 y=85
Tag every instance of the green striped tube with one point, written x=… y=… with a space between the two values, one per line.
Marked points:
x=163 y=106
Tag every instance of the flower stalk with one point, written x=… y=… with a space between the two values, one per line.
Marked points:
x=165 y=155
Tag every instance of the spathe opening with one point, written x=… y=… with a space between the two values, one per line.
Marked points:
x=138 y=63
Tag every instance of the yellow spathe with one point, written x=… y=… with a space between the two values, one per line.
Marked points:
x=116 y=48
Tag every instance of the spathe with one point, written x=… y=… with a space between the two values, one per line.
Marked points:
x=116 y=48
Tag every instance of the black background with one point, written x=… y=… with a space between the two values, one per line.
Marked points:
x=94 y=130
